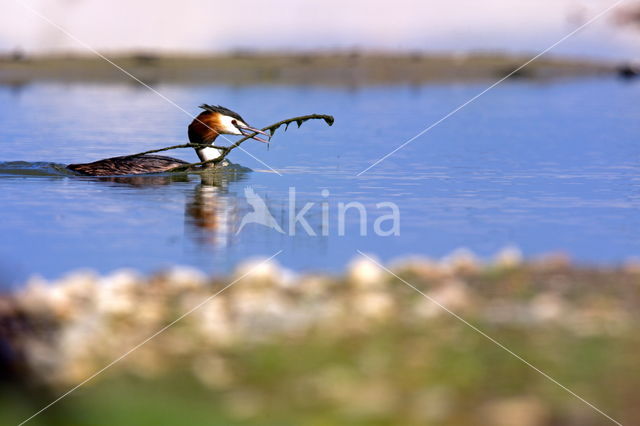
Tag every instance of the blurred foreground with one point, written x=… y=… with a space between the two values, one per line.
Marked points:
x=275 y=348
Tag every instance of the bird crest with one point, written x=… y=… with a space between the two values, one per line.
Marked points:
x=222 y=110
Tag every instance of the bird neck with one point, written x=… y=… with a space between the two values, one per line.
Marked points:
x=209 y=153
x=201 y=135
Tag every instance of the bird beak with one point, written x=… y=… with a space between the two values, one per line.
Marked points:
x=247 y=131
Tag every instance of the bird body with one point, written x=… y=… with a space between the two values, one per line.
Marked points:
x=128 y=165
x=203 y=130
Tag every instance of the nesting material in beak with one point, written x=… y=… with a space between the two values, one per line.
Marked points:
x=253 y=133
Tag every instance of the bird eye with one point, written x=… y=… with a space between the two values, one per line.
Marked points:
x=234 y=122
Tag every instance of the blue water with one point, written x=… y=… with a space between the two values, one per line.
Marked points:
x=544 y=167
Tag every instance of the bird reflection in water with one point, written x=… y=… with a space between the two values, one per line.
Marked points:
x=147 y=180
x=211 y=213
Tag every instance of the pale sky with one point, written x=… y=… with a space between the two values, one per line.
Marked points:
x=199 y=26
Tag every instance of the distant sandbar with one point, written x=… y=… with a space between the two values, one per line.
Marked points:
x=330 y=69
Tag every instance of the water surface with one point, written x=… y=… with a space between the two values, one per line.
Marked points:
x=543 y=167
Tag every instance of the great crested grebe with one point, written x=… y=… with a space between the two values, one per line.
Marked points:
x=204 y=129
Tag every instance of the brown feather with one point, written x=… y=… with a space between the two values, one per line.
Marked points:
x=127 y=165
x=201 y=128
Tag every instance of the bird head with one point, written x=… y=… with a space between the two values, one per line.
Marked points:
x=218 y=120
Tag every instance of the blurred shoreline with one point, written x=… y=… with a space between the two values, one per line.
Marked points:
x=361 y=346
x=325 y=69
